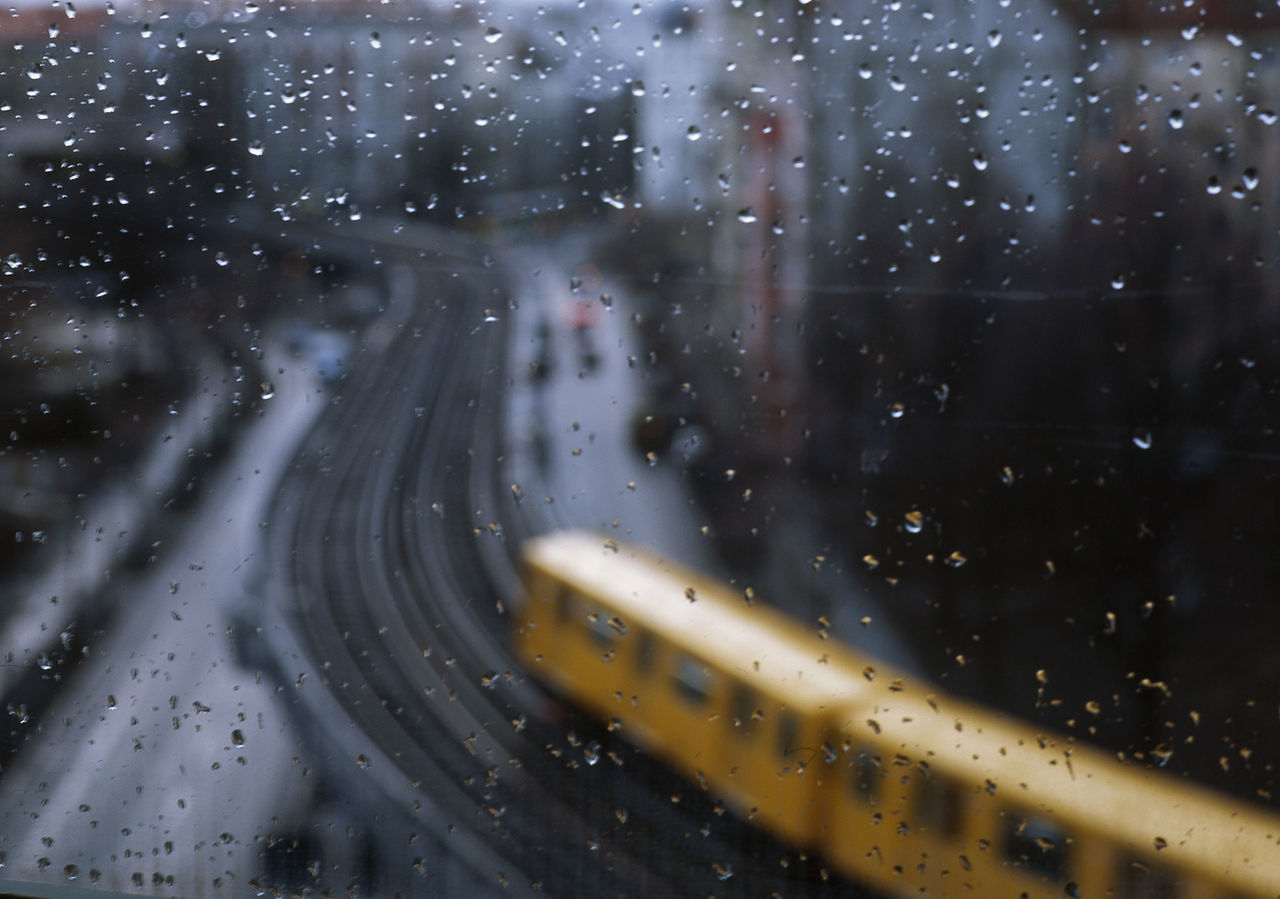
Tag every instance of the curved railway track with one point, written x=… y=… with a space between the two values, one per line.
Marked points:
x=397 y=536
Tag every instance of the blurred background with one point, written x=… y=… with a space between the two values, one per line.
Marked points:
x=950 y=327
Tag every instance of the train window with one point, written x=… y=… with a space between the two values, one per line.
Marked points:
x=646 y=650
x=564 y=604
x=1036 y=843
x=1140 y=880
x=867 y=776
x=788 y=733
x=742 y=708
x=602 y=630
x=692 y=679
x=939 y=805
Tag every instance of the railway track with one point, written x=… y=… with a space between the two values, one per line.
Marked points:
x=398 y=536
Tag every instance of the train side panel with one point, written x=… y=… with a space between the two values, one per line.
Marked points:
x=940 y=798
x=906 y=827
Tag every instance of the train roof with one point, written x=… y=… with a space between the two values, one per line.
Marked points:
x=770 y=651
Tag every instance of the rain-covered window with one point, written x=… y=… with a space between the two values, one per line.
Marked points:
x=492 y=447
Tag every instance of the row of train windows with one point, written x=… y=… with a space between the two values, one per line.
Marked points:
x=691 y=679
x=1029 y=841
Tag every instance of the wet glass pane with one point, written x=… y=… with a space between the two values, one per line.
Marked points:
x=564 y=447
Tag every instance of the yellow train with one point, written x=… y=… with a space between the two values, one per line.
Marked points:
x=899 y=786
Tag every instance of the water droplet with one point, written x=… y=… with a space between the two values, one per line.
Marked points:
x=980 y=162
x=746 y=216
x=956 y=559
x=256 y=148
x=694 y=133
x=1125 y=146
x=362 y=761
x=1175 y=119
x=237 y=737
x=1250 y=178
x=994 y=37
x=268 y=390
x=375 y=41
x=896 y=410
x=1214 y=187
x=1142 y=440
x=1162 y=754
x=864 y=71
x=221 y=258
x=637 y=88
x=914 y=521
x=897 y=83
x=1117 y=281
x=591 y=752
x=70 y=10
x=492 y=36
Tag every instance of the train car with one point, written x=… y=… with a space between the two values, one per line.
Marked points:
x=943 y=798
x=899 y=786
x=726 y=693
